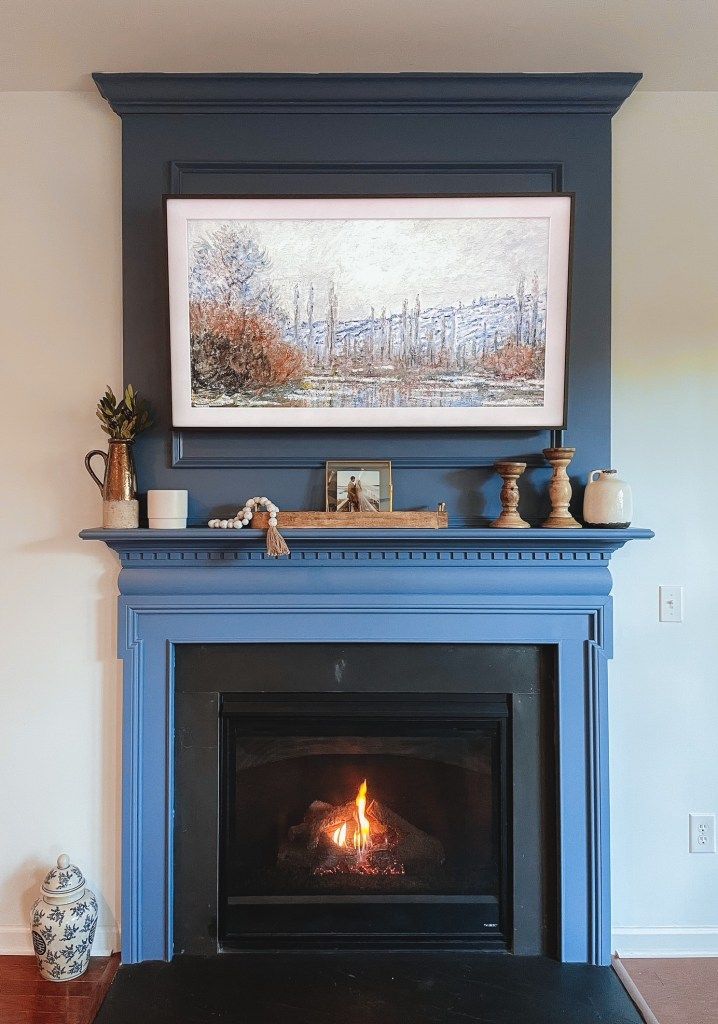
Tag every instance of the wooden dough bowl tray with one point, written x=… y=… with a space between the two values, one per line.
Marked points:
x=354 y=520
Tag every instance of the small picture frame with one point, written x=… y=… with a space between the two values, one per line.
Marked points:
x=356 y=486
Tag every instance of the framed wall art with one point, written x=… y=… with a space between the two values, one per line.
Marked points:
x=369 y=312
x=356 y=486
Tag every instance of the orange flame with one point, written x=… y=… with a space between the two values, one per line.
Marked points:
x=340 y=835
x=362 y=834
x=361 y=838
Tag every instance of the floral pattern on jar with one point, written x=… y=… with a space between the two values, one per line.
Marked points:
x=63 y=922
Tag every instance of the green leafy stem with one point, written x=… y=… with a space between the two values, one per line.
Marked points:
x=123 y=420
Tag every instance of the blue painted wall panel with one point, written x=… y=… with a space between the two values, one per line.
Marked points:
x=453 y=135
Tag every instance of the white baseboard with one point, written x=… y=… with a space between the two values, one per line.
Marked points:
x=17 y=942
x=665 y=942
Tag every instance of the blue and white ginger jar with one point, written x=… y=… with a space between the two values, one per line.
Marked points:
x=64 y=920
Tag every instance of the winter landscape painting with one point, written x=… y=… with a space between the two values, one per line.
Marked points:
x=374 y=312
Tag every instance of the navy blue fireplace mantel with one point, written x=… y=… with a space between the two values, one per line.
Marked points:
x=548 y=587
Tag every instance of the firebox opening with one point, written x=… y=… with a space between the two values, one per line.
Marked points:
x=273 y=744
x=397 y=813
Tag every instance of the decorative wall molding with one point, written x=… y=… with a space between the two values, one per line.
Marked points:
x=599 y=792
x=251 y=458
x=180 y=169
x=600 y=93
x=242 y=451
x=453 y=545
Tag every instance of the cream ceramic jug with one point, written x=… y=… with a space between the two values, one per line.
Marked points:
x=608 y=501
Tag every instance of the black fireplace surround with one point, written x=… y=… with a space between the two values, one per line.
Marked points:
x=455 y=747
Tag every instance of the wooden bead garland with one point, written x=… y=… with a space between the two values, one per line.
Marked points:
x=276 y=545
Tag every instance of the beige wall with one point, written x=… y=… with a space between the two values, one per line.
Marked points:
x=60 y=337
x=59 y=727
x=664 y=683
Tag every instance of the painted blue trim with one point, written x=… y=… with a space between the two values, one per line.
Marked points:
x=550 y=587
x=152 y=93
x=480 y=542
x=253 y=458
x=597 y=672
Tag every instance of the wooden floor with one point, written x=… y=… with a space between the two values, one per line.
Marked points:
x=681 y=991
x=26 y=998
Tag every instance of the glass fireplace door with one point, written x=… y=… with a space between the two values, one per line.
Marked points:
x=379 y=819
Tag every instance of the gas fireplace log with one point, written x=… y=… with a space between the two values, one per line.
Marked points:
x=321 y=826
x=394 y=842
x=414 y=846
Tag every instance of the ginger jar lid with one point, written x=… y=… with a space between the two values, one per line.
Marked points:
x=64 y=880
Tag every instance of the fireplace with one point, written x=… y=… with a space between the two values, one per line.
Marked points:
x=415 y=807
x=373 y=628
x=215 y=592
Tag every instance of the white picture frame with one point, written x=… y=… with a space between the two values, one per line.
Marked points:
x=321 y=336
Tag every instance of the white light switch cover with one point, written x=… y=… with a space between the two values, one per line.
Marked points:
x=670 y=604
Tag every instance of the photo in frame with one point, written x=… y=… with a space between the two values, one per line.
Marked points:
x=369 y=312
x=355 y=486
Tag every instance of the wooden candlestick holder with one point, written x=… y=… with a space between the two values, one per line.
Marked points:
x=510 y=518
x=559 y=489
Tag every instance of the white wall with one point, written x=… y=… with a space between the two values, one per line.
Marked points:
x=664 y=684
x=60 y=338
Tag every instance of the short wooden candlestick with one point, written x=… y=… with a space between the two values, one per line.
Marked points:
x=559 y=490
x=510 y=518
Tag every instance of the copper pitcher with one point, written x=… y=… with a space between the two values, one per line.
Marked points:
x=119 y=482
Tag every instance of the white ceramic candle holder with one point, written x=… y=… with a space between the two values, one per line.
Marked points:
x=167 y=510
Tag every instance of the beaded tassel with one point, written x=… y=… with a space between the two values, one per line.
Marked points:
x=276 y=544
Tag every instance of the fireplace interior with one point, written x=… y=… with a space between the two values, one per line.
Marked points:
x=376 y=818
x=372 y=825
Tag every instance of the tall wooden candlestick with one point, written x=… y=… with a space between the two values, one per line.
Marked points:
x=559 y=490
x=510 y=518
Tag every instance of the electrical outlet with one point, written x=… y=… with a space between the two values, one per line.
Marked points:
x=702 y=830
x=670 y=604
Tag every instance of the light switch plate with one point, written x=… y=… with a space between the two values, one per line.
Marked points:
x=670 y=604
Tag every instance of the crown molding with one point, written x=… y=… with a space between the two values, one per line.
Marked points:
x=427 y=93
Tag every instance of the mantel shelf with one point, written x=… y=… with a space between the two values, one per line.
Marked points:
x=143 y=544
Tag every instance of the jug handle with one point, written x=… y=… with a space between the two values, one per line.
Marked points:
x=591 y=475
x=88 y=459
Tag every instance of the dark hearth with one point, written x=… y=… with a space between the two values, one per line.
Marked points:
x=374 y=989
